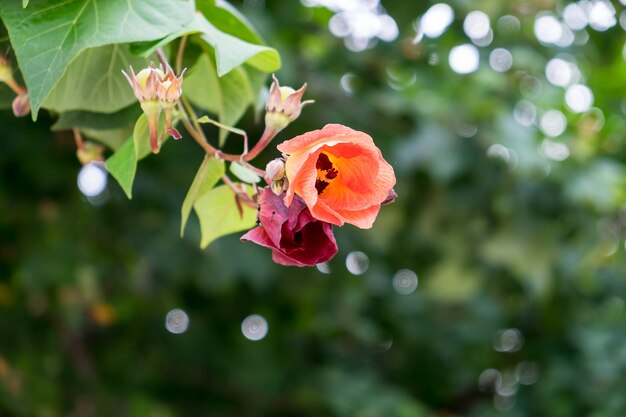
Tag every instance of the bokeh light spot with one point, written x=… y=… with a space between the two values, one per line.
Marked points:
x=405 y=281
x=500 y=60
x=254 y=327
x=464 y=59
x=579 y=98
x=92 y=179
x=556 y=151
x=357 y=263
x=553 y=123
x=436 y=20
x=525 y=113
x=508 y=340
x=177 y=321
x=548 y=29
x=476 y=25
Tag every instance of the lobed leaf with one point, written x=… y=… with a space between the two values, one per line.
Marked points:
x=230 y=51
x=94 y=81
x=49 y=34
x=208 y=175
x=219 y=214
x=243 y=173
x=227 y=97
x=122 y=165
x=97 y=121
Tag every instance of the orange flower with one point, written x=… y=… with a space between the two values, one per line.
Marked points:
x=339 y=173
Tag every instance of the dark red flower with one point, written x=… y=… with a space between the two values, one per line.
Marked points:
x=294 y=235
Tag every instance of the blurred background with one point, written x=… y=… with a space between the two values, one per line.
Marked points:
x=493 y=286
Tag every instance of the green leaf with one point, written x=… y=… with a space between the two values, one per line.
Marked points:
x=111 y=129
x=227 y=97
x=227 y=18
x=112 y=138
x=97 y=121
x=219 y=215
x=243 y=173
x=49 y=34
x=25 y=3
x=94 y=81
x=230 y=51
x=207 y=176
x=122 y=165
x=257 y=85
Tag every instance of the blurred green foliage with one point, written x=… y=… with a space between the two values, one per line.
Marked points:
x=520 y=257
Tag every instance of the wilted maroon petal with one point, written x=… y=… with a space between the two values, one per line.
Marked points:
x=294 y=235
x=174 y=133
x=391 y=198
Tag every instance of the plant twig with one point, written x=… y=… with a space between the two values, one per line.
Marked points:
x=80 y=144
x=179 y=54
x=161 y=55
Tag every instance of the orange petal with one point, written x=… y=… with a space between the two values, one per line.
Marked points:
x=363 y=219
x=330 y=134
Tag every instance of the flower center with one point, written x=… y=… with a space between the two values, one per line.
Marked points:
x=326 y=173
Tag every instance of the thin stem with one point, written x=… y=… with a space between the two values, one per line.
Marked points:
x=17 y=89
x=266 y=138
x=198 y=136
x=179 y=54
x=80 y=144
x=253 y=168
x=230 y=129
x=188 y=111
x=242 y=195
x=162 y=58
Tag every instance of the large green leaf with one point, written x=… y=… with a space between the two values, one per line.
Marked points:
x=123 y=163
x=227 y=18
x=111 y=129
x=219 y=215
x=257 y=85
x=97 y=121
x=230 y=51
x=227 y=97
x=207 y=176
x=94 y=82
x=50 y=34
x=112 y=138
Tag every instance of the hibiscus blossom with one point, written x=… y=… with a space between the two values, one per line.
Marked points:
x=339 y=173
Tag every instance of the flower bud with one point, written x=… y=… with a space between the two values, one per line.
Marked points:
x=275 y=170
x=284 y=105
x=6 y=72
x=90 y=152
x=275 y=176
x=157 y=90
x=169 y=88
x=21 y=105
